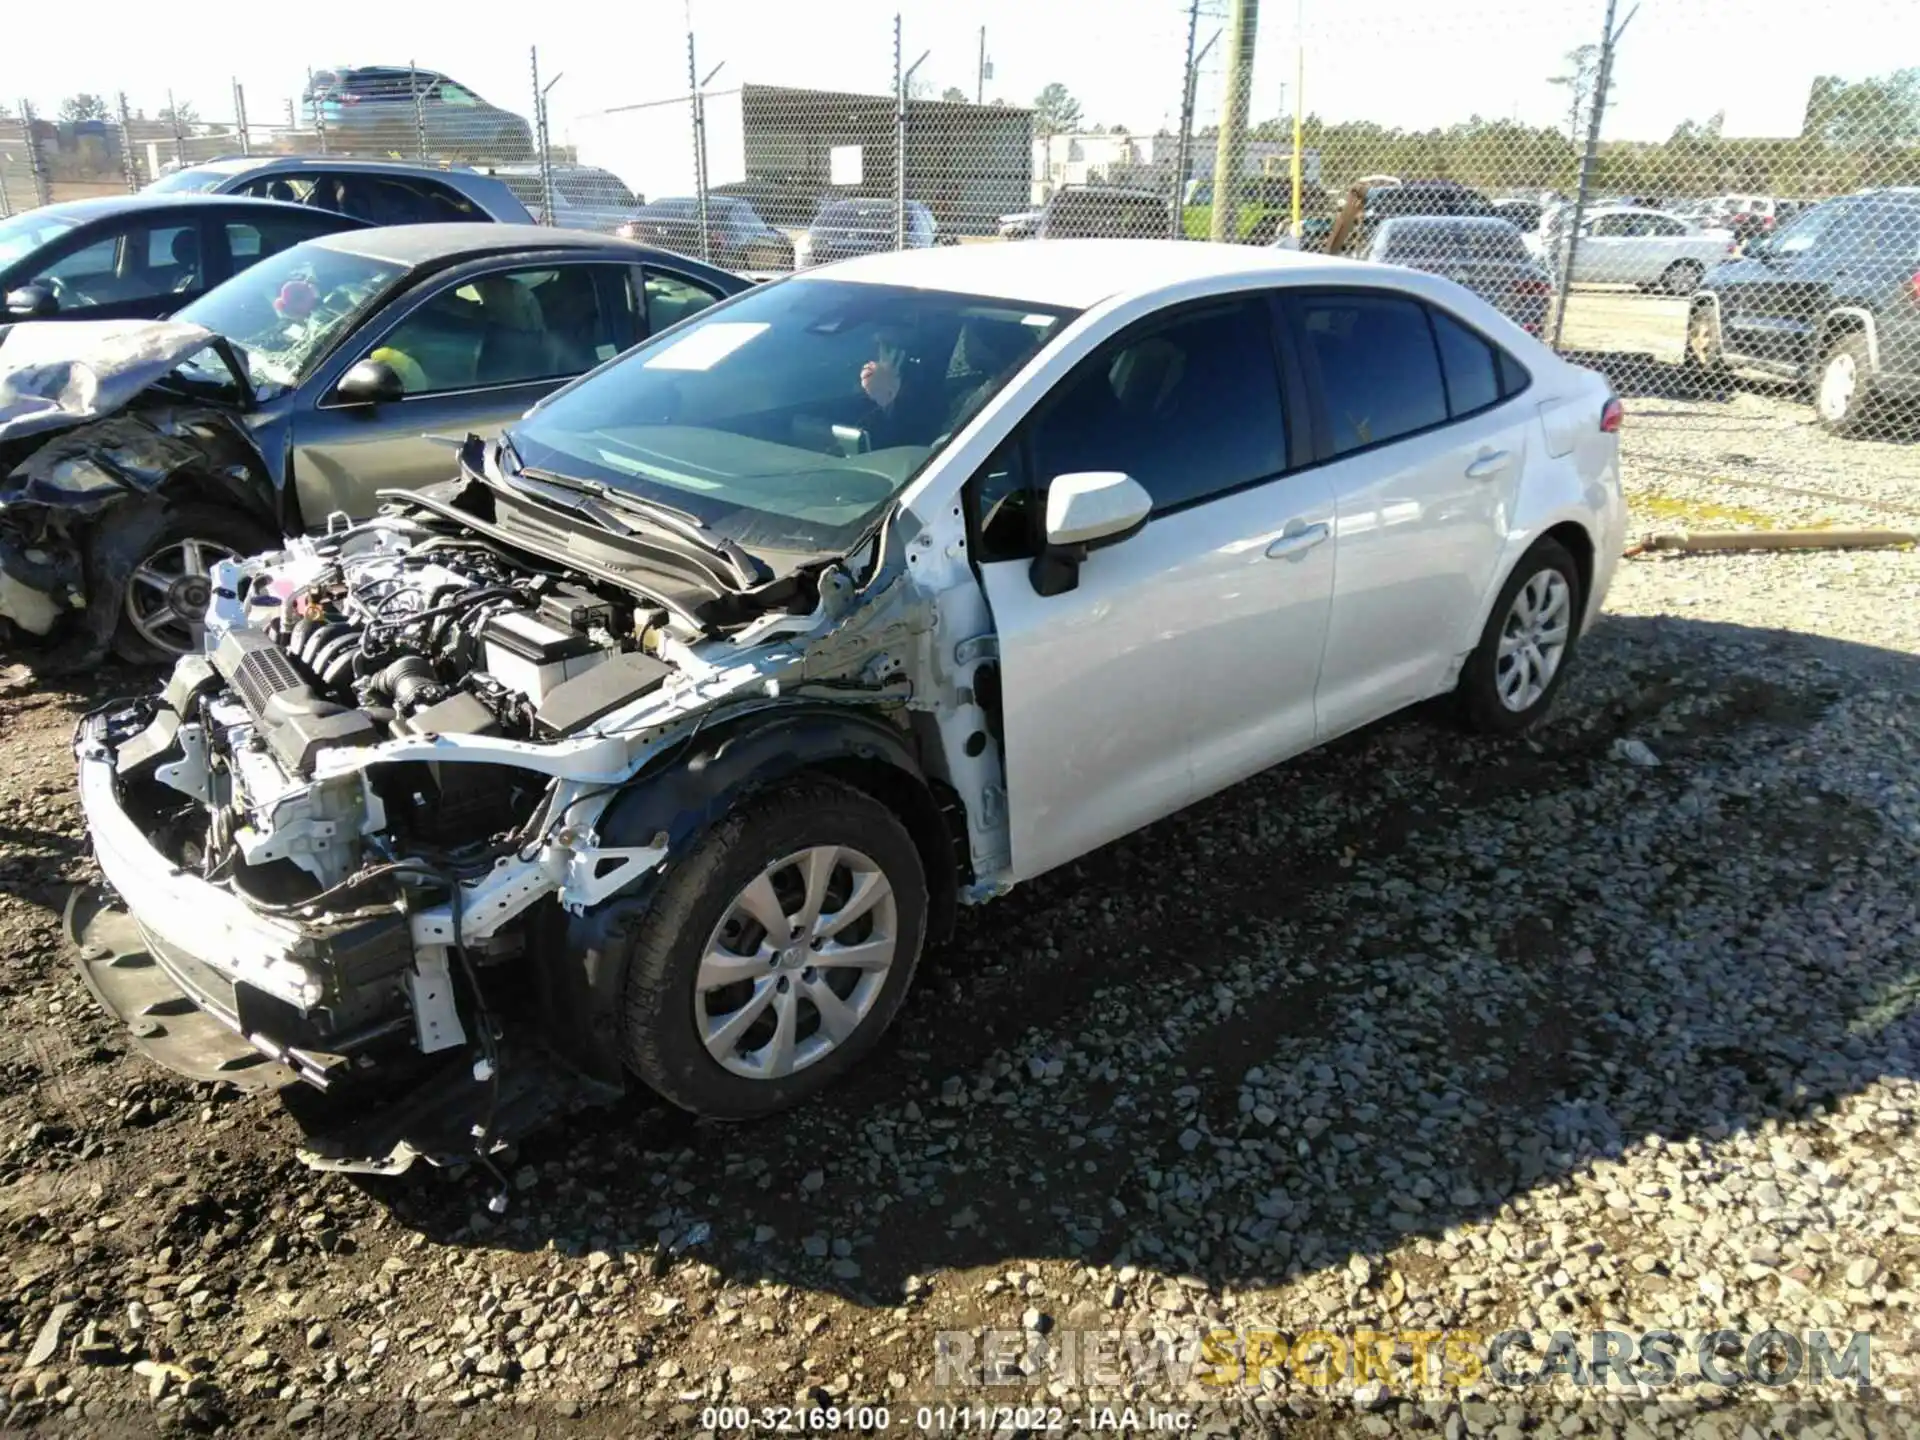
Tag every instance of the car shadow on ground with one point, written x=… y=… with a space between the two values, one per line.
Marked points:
x=1377 y=992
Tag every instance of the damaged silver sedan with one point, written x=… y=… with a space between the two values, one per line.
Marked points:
x=656 y=745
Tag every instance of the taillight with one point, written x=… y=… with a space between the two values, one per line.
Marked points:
x=1534 y=286
x=1913 y=286
x=1611 y=414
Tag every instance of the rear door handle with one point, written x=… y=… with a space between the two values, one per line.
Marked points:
x=1488 y=466
x=1296 y=544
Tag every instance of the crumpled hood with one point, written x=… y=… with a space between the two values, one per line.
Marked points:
x=58 y=373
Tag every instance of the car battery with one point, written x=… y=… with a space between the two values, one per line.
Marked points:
x=531 y=654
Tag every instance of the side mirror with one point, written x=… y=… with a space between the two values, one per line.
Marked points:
x=371 y=382
x=32 y=302
x=1085 y=511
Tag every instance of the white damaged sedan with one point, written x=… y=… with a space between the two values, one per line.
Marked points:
x=655 y=745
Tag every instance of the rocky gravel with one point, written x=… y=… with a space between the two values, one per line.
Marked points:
x=1612 y=1029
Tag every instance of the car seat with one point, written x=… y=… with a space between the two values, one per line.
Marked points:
x=513 y=340
x=280 y=190
x=185 y=251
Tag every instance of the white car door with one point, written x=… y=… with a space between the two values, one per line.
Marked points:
x=1606 y=255
x=1185 y=655
x=1425 y=448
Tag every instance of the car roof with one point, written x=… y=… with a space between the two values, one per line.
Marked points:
x=1080 y=273
x=424 y=244
x=1478 y=222
x=102 y=206
x=245 y=164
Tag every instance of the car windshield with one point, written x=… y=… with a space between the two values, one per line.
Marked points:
x=285 y=312
x=195 y=180
x=26 y=232
x=788 y=418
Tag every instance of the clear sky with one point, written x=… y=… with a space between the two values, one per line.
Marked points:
x=1401 y=62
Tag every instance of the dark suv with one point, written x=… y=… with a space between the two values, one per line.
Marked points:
x=1831 y=300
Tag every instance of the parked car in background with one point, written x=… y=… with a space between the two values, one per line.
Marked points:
x=1378 y=198
x=1831 y=301
x=1487 y=256
x=389 y=107
x=860 y=226
x=585 y=197
x=1176 y=512
x=737 y=237
x=1524 y=215
x=141 y=256
x=380 y=192
x=296 y=391
x=1111 y=212
x=1639 y=247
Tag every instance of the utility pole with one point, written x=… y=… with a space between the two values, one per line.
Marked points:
x=980 y=74
x=1177 y=219
x=1242 y=30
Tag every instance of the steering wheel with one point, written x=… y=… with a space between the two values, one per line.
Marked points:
x=63 y=294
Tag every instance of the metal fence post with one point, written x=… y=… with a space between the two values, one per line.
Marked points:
x=544 y=150
x=899 y=142
x=240 y=117
x=42 y=192
x=129 y=166
x=699 y=148
x=6 y=201
x=419 y=111
x=1585 y=185
x=1177 y=219
x=179 y=134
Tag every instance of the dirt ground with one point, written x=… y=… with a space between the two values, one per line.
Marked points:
x=1611 y=1027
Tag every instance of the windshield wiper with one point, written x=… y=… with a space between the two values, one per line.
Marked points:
x=746 y=572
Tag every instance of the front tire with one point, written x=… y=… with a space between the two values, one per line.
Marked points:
x=776 y=956
x=164 y=596
x=1843 y=390
x=1683 y=277
x=1516 y=669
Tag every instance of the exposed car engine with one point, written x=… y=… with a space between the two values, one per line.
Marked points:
x=385 y=633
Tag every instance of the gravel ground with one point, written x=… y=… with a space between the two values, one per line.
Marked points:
x=1610 y=1029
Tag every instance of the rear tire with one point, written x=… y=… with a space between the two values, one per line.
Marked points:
x=1516 y=669
x=1843 y=390
x=711 y=987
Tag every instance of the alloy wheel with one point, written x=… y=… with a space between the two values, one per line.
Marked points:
x=1839 y=383
x=168 y=592
x=1533 y=640
x=796 y=963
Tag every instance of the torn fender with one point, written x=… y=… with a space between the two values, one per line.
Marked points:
x=135 y=453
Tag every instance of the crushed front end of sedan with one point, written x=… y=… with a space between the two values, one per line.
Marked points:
x=384 y=844
x=87 y=425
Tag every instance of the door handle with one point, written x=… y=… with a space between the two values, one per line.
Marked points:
x=1296 y=544
x=1488 y=466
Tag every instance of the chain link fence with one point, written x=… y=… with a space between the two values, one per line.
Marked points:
x=1655 y=199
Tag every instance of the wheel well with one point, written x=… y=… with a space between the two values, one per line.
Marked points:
x=1573 y=538
x=1834 y=327
x=937 y=823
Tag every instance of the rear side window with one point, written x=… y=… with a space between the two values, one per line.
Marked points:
x=1379 y=368
x=1470 y=364
x=255 y=239
x=1191 y=409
